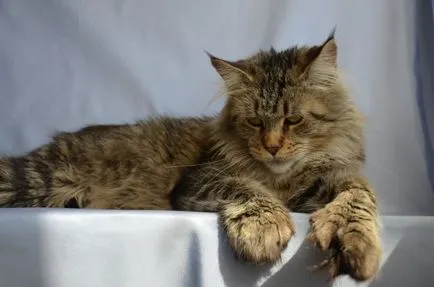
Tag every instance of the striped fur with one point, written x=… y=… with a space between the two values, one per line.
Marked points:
x=288 y=139
x=124 y=167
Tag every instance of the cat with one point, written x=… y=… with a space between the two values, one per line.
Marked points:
x=289 y=138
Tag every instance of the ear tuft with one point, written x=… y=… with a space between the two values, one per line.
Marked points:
x=331 y=35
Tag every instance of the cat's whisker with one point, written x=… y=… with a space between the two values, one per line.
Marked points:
x=225 y=93
x=197 y=164
x=228 y=166
x=219 y=172
x=236 y=91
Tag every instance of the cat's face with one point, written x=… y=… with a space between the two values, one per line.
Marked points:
x=284 y=106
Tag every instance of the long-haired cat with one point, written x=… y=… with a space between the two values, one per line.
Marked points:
x=289 y=138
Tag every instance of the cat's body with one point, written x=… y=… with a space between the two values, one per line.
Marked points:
x=131 y=166
x=288 y=139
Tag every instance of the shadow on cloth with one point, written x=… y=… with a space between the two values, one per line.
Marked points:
x=294 y=271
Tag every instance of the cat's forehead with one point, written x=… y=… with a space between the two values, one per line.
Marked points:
x=280 y=71
x=274 y=108
x=286 y=64
x=272 y=90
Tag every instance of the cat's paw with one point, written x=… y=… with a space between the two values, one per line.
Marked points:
x=353 y=243
x=257 y=235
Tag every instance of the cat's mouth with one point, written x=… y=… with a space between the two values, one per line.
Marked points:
x=278 y=166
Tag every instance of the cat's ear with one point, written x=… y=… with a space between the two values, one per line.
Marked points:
x=322 y=70
x=231 y=72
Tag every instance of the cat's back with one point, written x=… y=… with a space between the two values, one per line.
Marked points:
x=176 y=140
x=131 y=166
x=160 y=140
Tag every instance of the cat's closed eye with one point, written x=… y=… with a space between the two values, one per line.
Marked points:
x=255 y=122
x=323 y=117
x=292 y=120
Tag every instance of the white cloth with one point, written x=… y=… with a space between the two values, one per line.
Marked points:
x=67 y=63
x=70 y=248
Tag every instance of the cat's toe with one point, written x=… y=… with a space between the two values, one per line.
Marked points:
x=361 y=255
x=260 y=239
x=354 y=245
x=324 y=228
x=354 y=254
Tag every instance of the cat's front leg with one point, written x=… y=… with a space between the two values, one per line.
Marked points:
x=257 y=224
x=348 y=227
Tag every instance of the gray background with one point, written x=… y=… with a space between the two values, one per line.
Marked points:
x=68 y=63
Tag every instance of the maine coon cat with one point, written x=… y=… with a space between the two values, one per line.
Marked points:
x=289 y=138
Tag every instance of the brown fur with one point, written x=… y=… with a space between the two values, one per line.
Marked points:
x=288 y=139
x=127 y=166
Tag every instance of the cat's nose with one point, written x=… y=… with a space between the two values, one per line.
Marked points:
x=273 y=149
x=272 y=141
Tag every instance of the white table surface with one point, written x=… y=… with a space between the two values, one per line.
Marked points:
x=92 y=248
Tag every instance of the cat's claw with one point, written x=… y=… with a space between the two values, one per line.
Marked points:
x=352 y=252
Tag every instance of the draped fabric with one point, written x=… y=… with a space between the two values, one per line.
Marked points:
x=424 y=71
x=69 y=63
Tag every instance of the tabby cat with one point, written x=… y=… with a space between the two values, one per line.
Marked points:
x=289 y=138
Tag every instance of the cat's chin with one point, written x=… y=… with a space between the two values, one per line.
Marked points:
x=279 y=167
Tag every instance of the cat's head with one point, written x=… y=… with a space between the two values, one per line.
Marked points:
x=283 y=106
